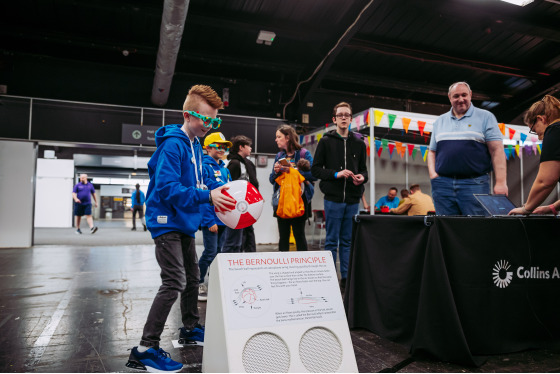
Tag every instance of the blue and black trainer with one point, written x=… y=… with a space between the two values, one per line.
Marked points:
x=192 y=337
x=153 y=361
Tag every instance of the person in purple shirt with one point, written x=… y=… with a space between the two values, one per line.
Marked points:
x=82 y=203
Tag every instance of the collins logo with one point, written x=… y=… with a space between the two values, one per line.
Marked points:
x=502 y=277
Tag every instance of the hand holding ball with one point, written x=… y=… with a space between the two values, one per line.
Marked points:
x=248 y=205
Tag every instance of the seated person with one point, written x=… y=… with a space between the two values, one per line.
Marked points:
x=390 y=201
x=417 y=204
x=404 y=195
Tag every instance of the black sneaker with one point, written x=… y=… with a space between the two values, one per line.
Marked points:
x=145 y=228
x=133 y=229
x=94 y=229
x=153 y=360
x=192 y=337
x=79 y=232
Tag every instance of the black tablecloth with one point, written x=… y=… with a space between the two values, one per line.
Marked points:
x=428 y=282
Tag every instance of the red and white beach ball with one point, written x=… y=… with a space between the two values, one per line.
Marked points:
x=248 y=206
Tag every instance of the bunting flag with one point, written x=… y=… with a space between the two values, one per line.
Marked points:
x=301 y=139
x=421 y=125
x=403 y=151
x=319 y=136
x=523 y=137
x=377 y=144
x=391 y=149
x=410 y=149
x=539 y=148
x=414 y=153
x=405 y=124
x=379 y=151
x=511 y=132
x=367 y=119
x=517 y=150
x=528 y=149
x=391 y=118
x=368 y=151
x=377 y=114
x=399 y=146
x=423 y=149
x=425 y=156
x=358 y=120
x=502 y=127
x=506 y=151
x=534 y=141
x=384 y=142
x=306 y=139
x=510 y=148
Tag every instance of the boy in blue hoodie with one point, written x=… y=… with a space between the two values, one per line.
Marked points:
x=176 y=191
x=213 y=229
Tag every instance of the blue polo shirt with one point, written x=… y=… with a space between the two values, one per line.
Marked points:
x=385 y=201
x=460 y=144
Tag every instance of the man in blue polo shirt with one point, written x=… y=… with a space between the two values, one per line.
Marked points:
x=82 y=203
x=466 y=145
x=390 y=201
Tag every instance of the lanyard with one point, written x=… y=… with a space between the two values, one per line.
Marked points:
x=199 y=183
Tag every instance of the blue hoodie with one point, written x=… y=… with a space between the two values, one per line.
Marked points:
x=219 y=173
x=173 y=201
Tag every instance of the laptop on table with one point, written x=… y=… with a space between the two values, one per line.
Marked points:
x=500 y=205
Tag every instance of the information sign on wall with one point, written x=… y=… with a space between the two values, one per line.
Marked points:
x=135 y=134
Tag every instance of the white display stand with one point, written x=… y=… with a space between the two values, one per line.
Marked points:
x=276 y=312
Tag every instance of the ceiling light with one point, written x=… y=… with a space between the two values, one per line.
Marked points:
x=519 y=2
x=266 y=37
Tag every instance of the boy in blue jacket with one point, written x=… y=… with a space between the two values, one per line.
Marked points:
x=176 y=191
x=213 y=229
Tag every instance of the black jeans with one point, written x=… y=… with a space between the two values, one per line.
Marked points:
x=249 y=244
x=140 y=210
x=176 y=256
x=298 y=226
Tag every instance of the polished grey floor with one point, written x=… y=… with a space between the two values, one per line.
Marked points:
x=79 y=307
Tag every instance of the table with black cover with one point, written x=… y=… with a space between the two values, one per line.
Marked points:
x=456 y=287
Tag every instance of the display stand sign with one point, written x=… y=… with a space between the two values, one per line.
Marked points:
x=276 y=312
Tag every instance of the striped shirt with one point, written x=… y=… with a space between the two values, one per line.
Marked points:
x=460 y=144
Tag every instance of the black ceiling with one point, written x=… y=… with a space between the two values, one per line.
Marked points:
x=392 y=54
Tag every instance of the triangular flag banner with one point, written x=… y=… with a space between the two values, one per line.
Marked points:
x=384 y=142
x=410 y=149
x=502 y=127
x=377 y=115
x=539 y=148
x=425 y=155
x=511 y=150
x=527 y=149
x=414 y=153
x=379 y=151
x=367 y=118
x=391 y=149
x=391 y=118
x=523 y=137
x=377 y=144
x=405 y=124
x=421 y=125
x=517 y=150
x=319 y=136
x=312 y=139
x=423 y=149
x=403 y=151
x=350 y=124
x=399 y=146
x=301 y=139
x=506 y=151
x=511 y=132
x=368 y=151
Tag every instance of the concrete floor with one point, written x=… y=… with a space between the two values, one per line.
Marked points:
x=78 y=307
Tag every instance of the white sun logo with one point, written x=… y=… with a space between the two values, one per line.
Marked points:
x=502 y=277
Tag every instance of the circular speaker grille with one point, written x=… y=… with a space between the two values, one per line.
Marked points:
x=266 y=352
x=320 y=350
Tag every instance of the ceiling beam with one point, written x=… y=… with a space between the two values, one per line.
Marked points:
x=361 y=17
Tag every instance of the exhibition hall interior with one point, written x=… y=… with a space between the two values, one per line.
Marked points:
x=85 y=86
